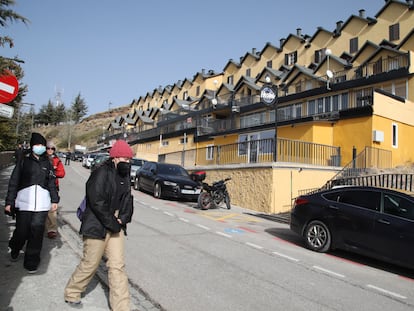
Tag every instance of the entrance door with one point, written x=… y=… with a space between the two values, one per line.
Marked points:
x=253 y=148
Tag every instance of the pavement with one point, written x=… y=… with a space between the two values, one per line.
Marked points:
x=43 y=291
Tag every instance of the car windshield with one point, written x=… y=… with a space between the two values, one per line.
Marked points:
x=172 y=170
x=136 y=162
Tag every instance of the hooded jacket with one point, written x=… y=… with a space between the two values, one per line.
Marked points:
x=102 y=200
x=32 y=185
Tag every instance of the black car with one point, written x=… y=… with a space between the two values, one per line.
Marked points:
x=371 y=221
x=166 y=180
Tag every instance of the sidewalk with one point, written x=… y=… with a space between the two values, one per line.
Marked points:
x=43 y=291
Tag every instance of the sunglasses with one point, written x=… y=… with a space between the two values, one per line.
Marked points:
x=48 y=148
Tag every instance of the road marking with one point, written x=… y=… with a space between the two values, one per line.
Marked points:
x=202 y=227
x=155 y=208
x=386 y=291
x=254 y=245
x=328 y=271
x=248 y=230
x=183 y=219
x=168 y=213
x=285 y=256
x=232 y=230
x=223 y=234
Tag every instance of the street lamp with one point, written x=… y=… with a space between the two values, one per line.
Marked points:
x=329 y=72
x=268 y=96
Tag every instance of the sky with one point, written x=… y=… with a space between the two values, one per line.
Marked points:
x=112 y=52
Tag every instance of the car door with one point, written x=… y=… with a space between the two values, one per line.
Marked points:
x=356 y=214
x=394 y=228
x=145 y=175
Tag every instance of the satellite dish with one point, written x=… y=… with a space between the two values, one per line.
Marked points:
x=329 y=73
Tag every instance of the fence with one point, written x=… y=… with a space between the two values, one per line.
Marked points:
x=257 y=151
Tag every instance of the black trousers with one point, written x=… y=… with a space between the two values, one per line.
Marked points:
x=30 y=227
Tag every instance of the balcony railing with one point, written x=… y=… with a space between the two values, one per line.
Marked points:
x=257 y=151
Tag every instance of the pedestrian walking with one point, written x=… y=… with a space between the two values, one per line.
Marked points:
x=31 y=194
x=67 y=158
x=109 y=207
x=59 y=169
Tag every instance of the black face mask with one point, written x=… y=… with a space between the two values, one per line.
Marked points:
x=123 y=168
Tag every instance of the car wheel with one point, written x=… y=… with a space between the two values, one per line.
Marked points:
x=157 y=191
x=136 y=184
x=318 y=237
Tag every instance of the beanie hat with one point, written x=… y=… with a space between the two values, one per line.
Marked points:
x=50 y=144
x=121 y=149
x=37 y=139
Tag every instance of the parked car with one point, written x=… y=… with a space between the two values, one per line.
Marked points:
x=99 y=159
x=166 y=180
x=77 y=156
x=136 y=164
x=88 y=159
x=371 y=221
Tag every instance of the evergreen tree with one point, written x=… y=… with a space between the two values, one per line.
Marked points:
x=79 y=108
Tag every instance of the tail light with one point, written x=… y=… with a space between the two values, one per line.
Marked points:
x=301 y=201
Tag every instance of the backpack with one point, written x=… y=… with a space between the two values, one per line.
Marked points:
x=81 y=209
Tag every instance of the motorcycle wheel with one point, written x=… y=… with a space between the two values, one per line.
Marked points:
x=204 y=200
x=227 y=201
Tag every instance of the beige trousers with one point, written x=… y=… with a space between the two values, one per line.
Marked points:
x=51 y=222
x=93 y=250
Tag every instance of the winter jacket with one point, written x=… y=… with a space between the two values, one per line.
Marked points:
x=102 y=201
x=32 y=185
x=58 y=168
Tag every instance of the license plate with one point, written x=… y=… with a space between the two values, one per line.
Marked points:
x=185 y=191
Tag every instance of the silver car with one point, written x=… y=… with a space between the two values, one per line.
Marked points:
x=136 y=164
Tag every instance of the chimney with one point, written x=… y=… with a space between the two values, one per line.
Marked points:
x=338 y=27
x=282 y=41
x=203 y=71
x=254 y=51
x=362 y=13
x=299 y=32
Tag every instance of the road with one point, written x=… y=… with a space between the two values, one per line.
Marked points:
x=188 y=259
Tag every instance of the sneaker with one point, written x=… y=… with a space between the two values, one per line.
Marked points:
x=52 y=235
x=74 y=304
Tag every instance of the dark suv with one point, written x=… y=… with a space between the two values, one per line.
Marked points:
x=77 y=156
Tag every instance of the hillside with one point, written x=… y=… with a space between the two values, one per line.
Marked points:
x=84 y=133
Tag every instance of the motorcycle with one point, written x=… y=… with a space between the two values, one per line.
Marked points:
x=214 y=195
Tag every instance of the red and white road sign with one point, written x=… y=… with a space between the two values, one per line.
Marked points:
x=9 y=87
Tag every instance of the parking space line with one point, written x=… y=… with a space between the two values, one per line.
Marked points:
x=203 y=227
x=168 y=213
x=254 y=245
x=183 y=219
x=223 y=234
x=328 y=271
x=285 y=256
x=386 y=291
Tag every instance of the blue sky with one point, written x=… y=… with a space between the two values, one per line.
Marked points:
x=112 y=52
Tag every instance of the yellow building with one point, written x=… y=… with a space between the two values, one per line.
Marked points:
x=338 y=93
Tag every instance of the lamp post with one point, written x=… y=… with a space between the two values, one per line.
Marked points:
x=268 y=96
x=329 y=72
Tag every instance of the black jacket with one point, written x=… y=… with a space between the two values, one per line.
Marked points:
x=30 y=171
x=102 y=201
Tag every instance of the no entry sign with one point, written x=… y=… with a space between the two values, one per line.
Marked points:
x=9 y=87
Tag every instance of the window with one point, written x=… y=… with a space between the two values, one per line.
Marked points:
x=269 y=64
x=182 y=141
x=398 y=206
x=210 y=152
x=335 y=102
x=198 y=91
x=378 y=66
x=394 y=32
x=401 y=89
x=248 y=72
x=252 y=119
x=298 y=87
x=230 y=80
x=291 y=58
x=185 y=95
x=362 y=198
x=353 y=45
x=319 y=54
x=311 y=107
x=344 y=101
x=395 y=135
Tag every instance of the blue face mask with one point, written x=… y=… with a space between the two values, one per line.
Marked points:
x=39 y=149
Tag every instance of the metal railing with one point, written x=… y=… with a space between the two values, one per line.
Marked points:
x=257 y=151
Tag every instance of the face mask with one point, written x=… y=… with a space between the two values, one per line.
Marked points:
x=39 y=149
x=123 y=168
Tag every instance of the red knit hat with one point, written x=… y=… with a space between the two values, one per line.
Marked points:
x=121 y=149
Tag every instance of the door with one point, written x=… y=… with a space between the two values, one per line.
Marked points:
x=253 y=148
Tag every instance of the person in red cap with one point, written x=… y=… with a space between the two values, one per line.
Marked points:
x=109 y=207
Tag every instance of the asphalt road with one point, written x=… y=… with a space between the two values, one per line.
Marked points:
x=183 y=258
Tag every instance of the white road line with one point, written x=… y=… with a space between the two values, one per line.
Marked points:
x=183 y=219
x=168 y=213
x=285 y=256
x=203 y=227
x=328 y=271
x=386 y=291
x=155 y=208
x=223 y=234
x=254 y=245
